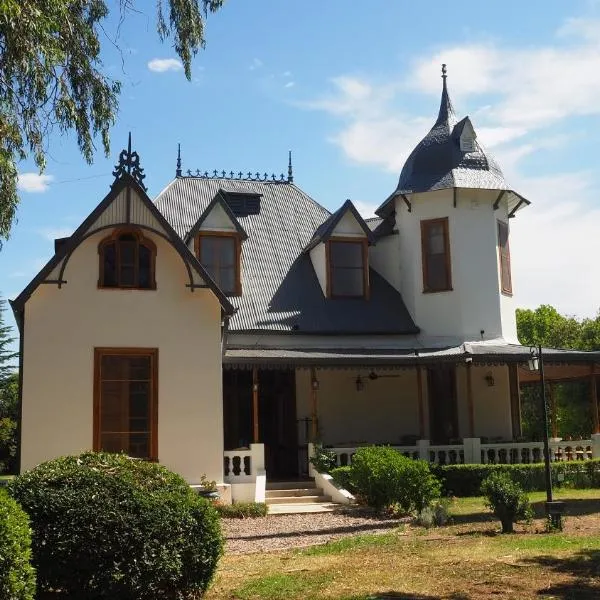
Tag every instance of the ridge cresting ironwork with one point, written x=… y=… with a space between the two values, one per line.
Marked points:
x=129 y=162
x=239 y=176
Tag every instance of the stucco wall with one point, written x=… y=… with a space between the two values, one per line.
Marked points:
x=217 y=220
x=62 y=328
x=348 y=226
x=491 y=404
x=382 y=412
x=317 y=257
x=385 y=258
x=475 y=303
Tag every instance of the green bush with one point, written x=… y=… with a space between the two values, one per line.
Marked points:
x=323 y=460
x=17 y=577
x=506 y=499
x=341 y=475
x=435 y=515
x=242 y=510
x=108 y=526
x=466 y=480
x=383 y=477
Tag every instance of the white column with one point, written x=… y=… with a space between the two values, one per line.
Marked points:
x=595 y=445
x=423 y=446
x=472 y=450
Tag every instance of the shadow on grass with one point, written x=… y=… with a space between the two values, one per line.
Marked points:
x=583 y=568
x=409 y=596
x=574 y=507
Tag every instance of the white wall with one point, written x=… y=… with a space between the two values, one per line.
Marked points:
x=382 y=412
x=385 y=258
x=348 y=226
x=319 y=262
x=475 y=302
x=217 y=220
x=62 y=328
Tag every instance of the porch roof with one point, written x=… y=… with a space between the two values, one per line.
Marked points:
x=482 y=353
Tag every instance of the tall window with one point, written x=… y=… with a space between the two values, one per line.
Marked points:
x=347 y=268
x=127 y=260
x=504 y=255
x=125 y=401
x=219 y=254
x=435 y=248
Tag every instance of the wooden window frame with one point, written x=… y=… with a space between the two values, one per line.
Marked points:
x=425 y=225
x=503 y=256
x=365 y=259
x=153 y=354
x=141 y=241
x=238 y=255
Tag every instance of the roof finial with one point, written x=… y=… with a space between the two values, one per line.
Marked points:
x=290 y=170
x=446 y=112
x=444 y=71
x=178 y=170
x=129 y=164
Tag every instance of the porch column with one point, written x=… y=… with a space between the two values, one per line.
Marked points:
x=515 y=400
x=470 y=403
x=314 y=388
x=255 y=432
x=594 y=399
x=553 y=422
x=421 y=406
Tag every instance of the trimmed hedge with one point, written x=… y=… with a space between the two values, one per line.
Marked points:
x=242 y=510
x=341 y=475
x=108 y=526
x=17 y=577
x=466 y=480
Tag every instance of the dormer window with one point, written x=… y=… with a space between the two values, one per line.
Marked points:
x=219 y=253
x=347 y=268
x=127 y=260
x=467 y=143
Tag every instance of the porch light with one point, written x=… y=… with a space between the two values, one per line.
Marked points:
x=489 y=379
x=255 y=387
x=534 y=361
x=360 y=386
x=314 y=384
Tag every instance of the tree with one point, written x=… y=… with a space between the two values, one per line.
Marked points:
x=51 y=76
x=9 y=386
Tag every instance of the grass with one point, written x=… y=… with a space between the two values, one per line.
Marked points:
x=468 y=559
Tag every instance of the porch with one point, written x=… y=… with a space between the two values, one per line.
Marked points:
x=441 y=407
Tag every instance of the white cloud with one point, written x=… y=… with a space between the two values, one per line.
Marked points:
x=34 y=182
x=162 y=65
x=255 y=64
x=52 y=234
x=290 y=84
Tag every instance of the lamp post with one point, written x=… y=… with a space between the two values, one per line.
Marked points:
x=554 y=510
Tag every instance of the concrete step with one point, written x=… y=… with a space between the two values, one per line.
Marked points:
x=298 y=499
x=295 y=492
x=290 y=509
x=290 y=485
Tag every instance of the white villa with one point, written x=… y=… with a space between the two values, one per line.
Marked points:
x=232 y=321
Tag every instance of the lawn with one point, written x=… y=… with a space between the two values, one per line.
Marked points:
x=467 y=559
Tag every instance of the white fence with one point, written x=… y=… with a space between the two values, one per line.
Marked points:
x=243 y=465
x=472 y=451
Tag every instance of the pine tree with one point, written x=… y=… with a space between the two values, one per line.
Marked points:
x=7 y=355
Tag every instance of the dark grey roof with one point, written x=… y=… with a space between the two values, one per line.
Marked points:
x=326 y=228
x=438 y=163
x=402 y=357
x=280 y=290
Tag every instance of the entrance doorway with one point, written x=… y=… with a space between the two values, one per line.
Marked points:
x=277 y=428
x=443 y=414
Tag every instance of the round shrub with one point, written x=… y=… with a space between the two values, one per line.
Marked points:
x=383 y=477
x=17 y=577
x=506 y=499
x=109 y=526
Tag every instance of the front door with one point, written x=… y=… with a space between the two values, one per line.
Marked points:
x=443 y=418
x=277 y=422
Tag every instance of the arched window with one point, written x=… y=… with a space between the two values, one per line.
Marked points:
x=127 y=260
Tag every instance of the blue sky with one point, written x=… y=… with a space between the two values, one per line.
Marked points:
x=351 y=87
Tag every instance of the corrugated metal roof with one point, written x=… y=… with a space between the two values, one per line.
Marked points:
x=280 y=290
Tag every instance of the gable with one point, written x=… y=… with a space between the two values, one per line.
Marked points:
x=217 y=220
x=348 y=225
x=126 y=205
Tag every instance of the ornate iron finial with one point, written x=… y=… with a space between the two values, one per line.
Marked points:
x=129 y=162
x=290 y=170
x=178 y=170
x=444 y=71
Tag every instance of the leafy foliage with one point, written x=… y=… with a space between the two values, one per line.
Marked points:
x=342 y=476
x=242 y=510
x=507 y=500
x=323 y=460
x=466 y=480
x=17 y=577
x=383 y=477
x=435 y=515
x=134 y=529
x=9 y=386
x=51 y=76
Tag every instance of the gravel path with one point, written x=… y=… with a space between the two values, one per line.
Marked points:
x=279 y=532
